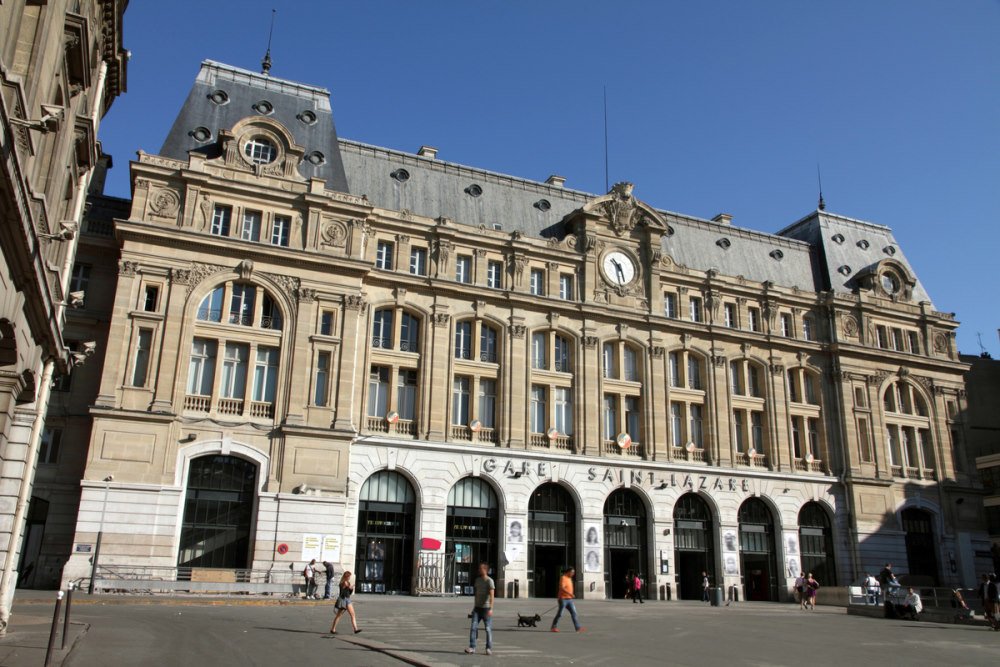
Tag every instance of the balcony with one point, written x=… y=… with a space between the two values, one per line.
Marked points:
x=461 y=432
x=632 y=451
x=261 y=410
x=489 y=356
x=682 y=454
x=802 y=465
x=232 y=407
x=197 y=403
x=403 y=427
x=560 y=442
x=487 y=435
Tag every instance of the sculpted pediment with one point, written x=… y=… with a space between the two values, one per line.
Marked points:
x=623 y=212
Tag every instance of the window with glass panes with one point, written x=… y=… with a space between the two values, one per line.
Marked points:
x=536 y=282
x=566 y=286
x=463 y=269
x=321 y=384
x=670 y=305
x=251 y=226
x=383 y=255
x=221 y=219
x=460 y=400
x=494 y=274
x=143 y=349
x=418 y=261
x=281 y=230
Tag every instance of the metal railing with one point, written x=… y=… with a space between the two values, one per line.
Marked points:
x=197 y=403
x=138 y=579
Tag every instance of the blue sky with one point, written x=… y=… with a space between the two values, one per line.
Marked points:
x=717 y=105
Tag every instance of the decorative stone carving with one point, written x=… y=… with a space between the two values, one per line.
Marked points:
x=770 y=309
x=622 y=209
x=553 y=318
x=553 y=266
x=205 y=205
x=553 y=241
x=180 y=277
x=686 y=340
x=245 y=269
x=403 y=238
x=940 y=343
x=127 y=268
x=590 y=342
x=593 y=244
x=903 y=372
x=305 y=294
x=850 y=326
x=601 y=296
x=404 y=213
x=519 y=262
x=517 y=330
x=441 y=319
x=656 y=256
x=719 y=360
x=713 y=300
x=878 y=378
x=745 y=348
x=777 y=369
x=443 y=247
x=400 y=293
x=164 y=203
x=480 y=252
x=622 y=329
x=570 y=241
x=516 y=235
x=658 y=352
x=288 y=284
x=355 y=302
x=334 y=233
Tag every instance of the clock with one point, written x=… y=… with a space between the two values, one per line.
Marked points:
x=619 y=269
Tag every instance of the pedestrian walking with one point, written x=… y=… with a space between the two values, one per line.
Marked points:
x=309 y=574
x=812 y=586
x=704 y=587
x=993 y=600
x=344 y=604
x=962 y=610
x=637 y=589
x=629 y=584
x=328 y=566
x=565 y=600
x=800 y=590
x=872 y=588
x=482 y=609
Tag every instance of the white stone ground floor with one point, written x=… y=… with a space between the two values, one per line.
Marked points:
x=615 y=514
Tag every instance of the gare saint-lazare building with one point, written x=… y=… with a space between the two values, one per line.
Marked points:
x=319 y=347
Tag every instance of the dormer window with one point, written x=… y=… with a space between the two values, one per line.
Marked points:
x=890 y=283
x=260 y=150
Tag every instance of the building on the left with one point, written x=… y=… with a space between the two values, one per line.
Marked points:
x=62 y=64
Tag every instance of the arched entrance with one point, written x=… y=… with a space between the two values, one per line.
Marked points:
x=816 y=543
x=551 y=538
x=757 y=556
x=694 y=545
x=387 y=512
x=624 y=539
x=472 y=531
x=921 y=547
x=218 y=513
x=28 y=575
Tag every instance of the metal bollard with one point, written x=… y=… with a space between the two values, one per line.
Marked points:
x=53 y=630
x=69 y=603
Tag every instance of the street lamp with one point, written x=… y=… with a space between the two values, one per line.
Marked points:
x=100 y=535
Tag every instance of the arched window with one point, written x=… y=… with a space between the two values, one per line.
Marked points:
x=757 y=552
x=473 y=529
x=387 y=511
x=227 y=363
x=908 y=431
x=475 y=382
x=551 y=416
x=687 y=404
x=393 y=379
x=816 y=540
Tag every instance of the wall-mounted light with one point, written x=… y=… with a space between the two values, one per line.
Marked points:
x=662 y=486
x=516 y=475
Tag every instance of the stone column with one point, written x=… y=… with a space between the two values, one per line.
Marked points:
x=438 y=361
x=515 y=410
x=299 y=374
x=116 y=354
x=353 y=356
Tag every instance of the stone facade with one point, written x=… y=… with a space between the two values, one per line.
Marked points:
x=61 y=66
x=367 y=353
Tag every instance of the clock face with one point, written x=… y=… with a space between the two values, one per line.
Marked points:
x=618 y=268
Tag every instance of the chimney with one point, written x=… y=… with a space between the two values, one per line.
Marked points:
x=723 y=219
x=557 y=181
x=428 y=152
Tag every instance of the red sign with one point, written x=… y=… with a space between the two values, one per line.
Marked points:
x=430 y=544
x=282 y=549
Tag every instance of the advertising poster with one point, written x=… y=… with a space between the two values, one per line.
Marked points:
x=331 y=548
x=312 y=546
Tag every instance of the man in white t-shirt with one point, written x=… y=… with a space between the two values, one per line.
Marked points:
x=482 y=609
x=872 y=588
x=912 y=605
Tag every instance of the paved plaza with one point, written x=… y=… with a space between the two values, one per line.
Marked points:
x=427 y=631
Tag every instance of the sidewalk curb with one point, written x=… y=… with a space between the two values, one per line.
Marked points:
x=181 y=602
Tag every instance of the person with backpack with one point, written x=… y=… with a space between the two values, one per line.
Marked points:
x=637 y=589
x=811 y=586
x=309 y=574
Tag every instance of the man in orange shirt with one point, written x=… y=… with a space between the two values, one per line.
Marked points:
x=566 y=600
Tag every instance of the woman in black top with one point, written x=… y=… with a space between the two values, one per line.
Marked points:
x=344 y=604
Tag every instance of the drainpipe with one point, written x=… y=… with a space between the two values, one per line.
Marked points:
x=27 y=482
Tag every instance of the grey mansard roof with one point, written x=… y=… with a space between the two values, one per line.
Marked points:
x=244 y=89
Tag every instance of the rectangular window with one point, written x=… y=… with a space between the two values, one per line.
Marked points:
x=630 y=365
x=409 y=333
x=280 y=230
x=881 y=337
x=322 y=385
x=753 y=319
x=383 y=256
x=234 y=371
x=739 y=438
x=48 y=446
x=897 y=340
x=860 y=399
x=914 y=339
x=808 y=330
x=406 y=400
x=730 y=312
x=786 y=325
x=151 y=298
x=80 y=279
x=460 y=401
x=265 y=375
x=797 y=437
x=221 y=218
x=809 y=384
x=538 y=409
x=382 y=329
x=487 y=402
x=537 y=282
x=694 y=373
x=561 y=361
x=566 y=287
x=487 y=344
x=813 y=425
x=674 y=360
x=378 y=391
x=418 y=261
x=864 y=440
x=694 y=426
x=633 y=418
x=326 y=323
x=463 y=269
x=538 y=351
x=201 y=369
x=753 y=381
x=251 y=226
x=610 y=416
x=463 y=340
x=608 y=354
x=794 y=395
x=757 y=431
x=694 y=306
x=241 y=307
x=735 y=381
x=676 y=429
x=564 y=410
x=143 y=347
x=494 y=275
x=670 y=305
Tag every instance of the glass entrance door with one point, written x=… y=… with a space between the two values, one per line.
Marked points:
x=386 y=522
x=694 y=546
x=625 y=540
x=218 y=513
x=551 y=538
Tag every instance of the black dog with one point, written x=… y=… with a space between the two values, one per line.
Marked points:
x=528 y=621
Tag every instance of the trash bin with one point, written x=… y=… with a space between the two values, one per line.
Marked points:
x=717 y=596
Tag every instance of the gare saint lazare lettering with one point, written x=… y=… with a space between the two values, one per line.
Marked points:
x=694 y=482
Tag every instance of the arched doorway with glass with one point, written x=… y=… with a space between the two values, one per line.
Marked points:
x=758 y=560
x=387 y=513
x=551 y=538
x=624 y=540
x=921 y=547
x=816 y=543
x=694 y=545
x=473 y=529
x=34 y=529
x=218 y=513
